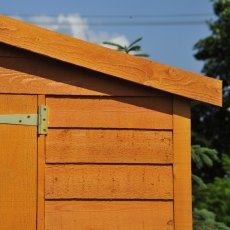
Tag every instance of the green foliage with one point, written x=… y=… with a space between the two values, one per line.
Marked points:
x=201 y=157
x=206 y=220
x=226 y=165
x=216 y=198
x=133 y=47
x=215 y=49
x=213 y=196
x=197 y=183
x=212 y=123
x=211 y=128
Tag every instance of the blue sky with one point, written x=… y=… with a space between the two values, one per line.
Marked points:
x=169 y=44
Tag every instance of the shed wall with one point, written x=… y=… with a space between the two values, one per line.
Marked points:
x=109 y=153
x=108 y=161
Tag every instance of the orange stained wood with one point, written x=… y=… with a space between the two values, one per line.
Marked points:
x=108 y=146
x=182 y=164
x=18 y=171
x=109 y=215
x=41 y=176
x=34 y=74
x=118 y=112
x=110 y=62
x=108 y=182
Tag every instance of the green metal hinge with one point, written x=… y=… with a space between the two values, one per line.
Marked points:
x=40 y=120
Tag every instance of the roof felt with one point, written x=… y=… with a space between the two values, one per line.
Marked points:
x=116 y=64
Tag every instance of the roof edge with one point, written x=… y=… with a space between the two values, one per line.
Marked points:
x=124 y=66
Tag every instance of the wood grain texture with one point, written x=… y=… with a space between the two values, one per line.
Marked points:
x=41 y=176
x=122 y=112
x=18 y=171
x=36 y=74
x=84 y=215
x=108 y=146
x=182 y=164
x=111 y=62
x=108 y=182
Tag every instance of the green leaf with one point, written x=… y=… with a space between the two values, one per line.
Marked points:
x=134 y=48
x=199 y=182
x=207 y=160
x=128 y=49
x=113 y=44
x=142 y=55
x=226 y=164
x=135 y=41
x=196 y=156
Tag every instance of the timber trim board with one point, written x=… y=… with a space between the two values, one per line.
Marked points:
x=182 y=164
x=18 y=171
x=41 y=175
x=123 y=66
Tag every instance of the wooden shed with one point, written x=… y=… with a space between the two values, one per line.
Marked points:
x=91 y=138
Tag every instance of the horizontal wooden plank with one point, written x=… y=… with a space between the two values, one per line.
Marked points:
x=34 y=74
x=108 y=182
x=119 y=112
x=111 y=62
x=108 y=146
x=105 y=215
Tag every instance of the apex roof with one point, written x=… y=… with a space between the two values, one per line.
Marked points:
x=120 y=65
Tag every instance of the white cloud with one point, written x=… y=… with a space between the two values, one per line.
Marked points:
x=76 y=26
x=44 y=21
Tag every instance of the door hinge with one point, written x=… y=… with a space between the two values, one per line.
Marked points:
x=40 y=120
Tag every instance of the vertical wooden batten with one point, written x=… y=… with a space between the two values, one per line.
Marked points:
x=182 y=164
x=41 y=175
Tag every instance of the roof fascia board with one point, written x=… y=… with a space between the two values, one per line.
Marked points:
x=124 y=66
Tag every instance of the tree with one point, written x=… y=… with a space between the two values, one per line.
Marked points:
x=211 y=198
x=215 y=196
x=212 y=123
x=211 y=127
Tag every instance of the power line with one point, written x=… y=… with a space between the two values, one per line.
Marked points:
x=31 y=18
x=129 y=16
x=139 y=23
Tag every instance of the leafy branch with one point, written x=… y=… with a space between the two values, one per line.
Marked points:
x=132 y=47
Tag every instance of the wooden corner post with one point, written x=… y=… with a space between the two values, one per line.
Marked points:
x=182 y=164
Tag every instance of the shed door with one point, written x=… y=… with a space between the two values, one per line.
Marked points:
x=18 y=165
x=109 y=163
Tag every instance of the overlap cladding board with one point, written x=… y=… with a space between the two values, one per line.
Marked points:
x=107 y=166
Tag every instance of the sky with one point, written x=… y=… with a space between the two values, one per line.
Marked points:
x=169 y=28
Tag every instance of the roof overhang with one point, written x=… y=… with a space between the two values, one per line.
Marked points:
x=124 y=66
